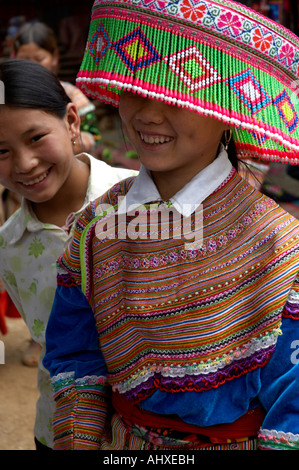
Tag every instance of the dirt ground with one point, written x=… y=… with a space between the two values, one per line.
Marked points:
x=18 y=391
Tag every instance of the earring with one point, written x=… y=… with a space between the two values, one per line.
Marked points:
x=74 y=141
x=227 y=138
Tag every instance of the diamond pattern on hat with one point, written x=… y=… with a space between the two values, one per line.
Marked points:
x=136 y=51
x=99 y=43
x=249 y=90
x=193 y=68
x=286 y=111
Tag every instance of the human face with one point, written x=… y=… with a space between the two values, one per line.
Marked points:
x=36 y=151
x=37 y=54
x=173 y=143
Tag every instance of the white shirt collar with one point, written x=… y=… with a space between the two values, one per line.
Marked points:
x=185 y=201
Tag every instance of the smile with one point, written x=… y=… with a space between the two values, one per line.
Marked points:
x=36 y=180
x=154 y=140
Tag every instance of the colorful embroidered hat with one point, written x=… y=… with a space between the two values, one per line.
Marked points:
x=215 y=57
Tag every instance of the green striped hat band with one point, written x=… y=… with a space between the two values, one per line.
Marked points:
x=217 y=58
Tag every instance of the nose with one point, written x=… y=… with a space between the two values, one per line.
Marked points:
x=24 y=161
x=150 y=111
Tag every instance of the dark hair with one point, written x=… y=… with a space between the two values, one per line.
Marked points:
x=30 y=85
x=38 y=33
x=232 y=154
x=231 y=151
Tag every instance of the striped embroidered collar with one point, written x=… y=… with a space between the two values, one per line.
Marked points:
x=185 y=201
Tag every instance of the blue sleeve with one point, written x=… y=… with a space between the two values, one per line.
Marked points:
x=72 y=343
x=279 y=394
x=78 y=372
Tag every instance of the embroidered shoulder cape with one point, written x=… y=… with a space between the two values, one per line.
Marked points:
x=176 y=319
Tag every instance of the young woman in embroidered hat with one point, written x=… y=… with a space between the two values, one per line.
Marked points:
x=174 y=345
x=38 y=128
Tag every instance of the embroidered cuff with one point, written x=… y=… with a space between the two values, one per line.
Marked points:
x=80 y=415
x=278 y=440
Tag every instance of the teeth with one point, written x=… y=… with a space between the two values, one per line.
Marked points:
x=154 y=140
x=36 y=180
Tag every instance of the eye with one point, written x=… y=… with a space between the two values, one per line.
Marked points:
x=38 y=137
x=4 y=154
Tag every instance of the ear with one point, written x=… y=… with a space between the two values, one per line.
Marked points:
x=72 y=120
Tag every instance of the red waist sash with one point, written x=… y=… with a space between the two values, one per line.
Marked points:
x=245 y=426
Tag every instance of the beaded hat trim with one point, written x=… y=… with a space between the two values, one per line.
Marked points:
x=218 y=58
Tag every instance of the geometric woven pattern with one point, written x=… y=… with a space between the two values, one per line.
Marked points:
x=248 y=89
x=192 y=68
x=99 y=43
x=286 y=111
x=136 y=51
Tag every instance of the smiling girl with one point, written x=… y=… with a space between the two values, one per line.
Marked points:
x=37 y=160
x=173 y=144
x=39 y=126
x=179 y=347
